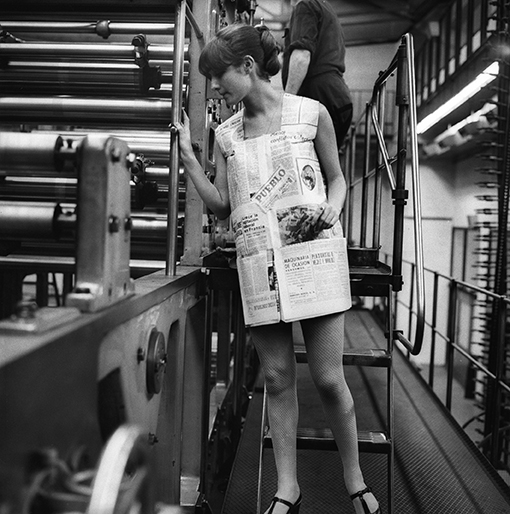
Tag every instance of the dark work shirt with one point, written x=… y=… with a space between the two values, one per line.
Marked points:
x=314 y=26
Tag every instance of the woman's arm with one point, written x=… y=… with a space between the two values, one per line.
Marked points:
x=215 y=196
x=327 y=151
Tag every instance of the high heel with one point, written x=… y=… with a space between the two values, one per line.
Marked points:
x=359 y=495
x=293 y=507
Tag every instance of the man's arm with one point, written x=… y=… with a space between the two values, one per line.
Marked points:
x=298 y=68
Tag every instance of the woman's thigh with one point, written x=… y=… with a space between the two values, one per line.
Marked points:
x=324 y=340
x=275 y=350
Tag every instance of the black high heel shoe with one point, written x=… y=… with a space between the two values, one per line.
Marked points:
x=359 y=495
x=293 y=507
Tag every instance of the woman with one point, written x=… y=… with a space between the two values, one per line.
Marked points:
x=239 y=61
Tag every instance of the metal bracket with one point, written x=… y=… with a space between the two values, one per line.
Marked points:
x=103 y=224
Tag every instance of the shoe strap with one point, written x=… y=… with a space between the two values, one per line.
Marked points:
x=281 y=500
x=276 y=500
x=360 y=495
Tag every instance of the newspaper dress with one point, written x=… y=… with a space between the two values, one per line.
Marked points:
x=287 y=270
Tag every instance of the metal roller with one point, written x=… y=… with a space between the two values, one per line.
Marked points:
x=22 y=189
x=73 y=51
x=102 y=28
x=149 y=194
x=28 y=219
x=152 y=145
x=80 y=78
x=101 y=111
x=20 y=150
x=49 y=220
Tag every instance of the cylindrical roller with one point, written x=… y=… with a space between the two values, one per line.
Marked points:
x=103 y=28
x=75 y=110
x=20 y=150
x=28 y=219
x=152 y=144
x=78 y=77
x=99 y=51
x=40 y=220
x=21 y=189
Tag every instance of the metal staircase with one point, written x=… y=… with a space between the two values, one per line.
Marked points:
x=369 y=277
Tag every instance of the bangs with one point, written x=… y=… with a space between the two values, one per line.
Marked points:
x=215 y=59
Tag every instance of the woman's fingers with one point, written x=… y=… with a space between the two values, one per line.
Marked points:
x=327 y=216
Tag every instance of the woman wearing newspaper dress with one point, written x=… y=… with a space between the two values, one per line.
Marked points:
x=278 y=176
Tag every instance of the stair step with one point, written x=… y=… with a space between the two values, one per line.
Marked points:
x=370 y=280
x=322 y=439
x=373 y=357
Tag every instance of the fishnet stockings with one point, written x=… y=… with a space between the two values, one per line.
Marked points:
x=324 y=339
x=276 y=354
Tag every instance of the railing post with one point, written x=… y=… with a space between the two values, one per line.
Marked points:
x=400 y=194
x=350 y=165
x=434 y=329
x=451 y=335
x=366 y=170
x=496 y=365
x=381 y=106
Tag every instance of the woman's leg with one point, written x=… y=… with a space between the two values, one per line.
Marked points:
x=276 y=353
x=324 y=339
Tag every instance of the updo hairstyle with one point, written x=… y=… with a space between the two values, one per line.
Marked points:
x=231 y=44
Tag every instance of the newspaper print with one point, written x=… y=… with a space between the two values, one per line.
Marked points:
x=313 y=278
x=250 y=224
x=282 y=181
x=257 y=279
x=244 y=170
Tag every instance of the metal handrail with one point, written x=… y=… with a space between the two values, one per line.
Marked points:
x=173 y=179
x=405 y=66
x=418 y=234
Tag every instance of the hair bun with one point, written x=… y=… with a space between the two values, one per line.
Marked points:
x=271 y=49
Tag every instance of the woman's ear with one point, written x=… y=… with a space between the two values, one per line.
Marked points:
x=248 y=63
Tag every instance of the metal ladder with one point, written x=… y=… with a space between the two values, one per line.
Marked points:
x=368 y=276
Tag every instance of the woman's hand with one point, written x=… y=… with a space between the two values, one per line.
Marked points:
x=185 y=146
x=325 y=216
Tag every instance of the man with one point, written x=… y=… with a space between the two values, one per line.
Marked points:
x=314 y=61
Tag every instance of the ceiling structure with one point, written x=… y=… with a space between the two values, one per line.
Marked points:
x=366 y=22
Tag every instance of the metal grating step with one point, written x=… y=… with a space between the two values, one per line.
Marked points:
x=322 y=439
x=373 y=357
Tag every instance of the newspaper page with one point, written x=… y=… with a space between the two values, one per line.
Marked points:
x=247 y=165
x=249 y=223
x=258 y=288
x=313 y=278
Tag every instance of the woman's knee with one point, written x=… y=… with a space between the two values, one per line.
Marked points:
x=279 y=379
x=331 y=388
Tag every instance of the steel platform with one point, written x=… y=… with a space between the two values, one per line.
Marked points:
x=438 y=469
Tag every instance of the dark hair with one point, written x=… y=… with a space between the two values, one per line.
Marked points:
x=231 y=44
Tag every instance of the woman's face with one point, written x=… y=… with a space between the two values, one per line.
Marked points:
x=233 y=85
